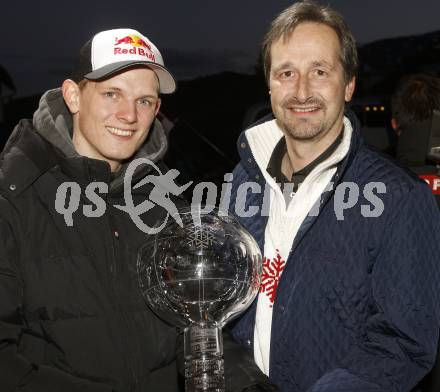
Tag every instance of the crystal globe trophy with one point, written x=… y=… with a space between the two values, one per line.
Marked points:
x=198 y=276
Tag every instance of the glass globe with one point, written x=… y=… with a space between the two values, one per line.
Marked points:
x=199 y=272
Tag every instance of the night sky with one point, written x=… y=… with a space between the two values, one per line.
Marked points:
x=40 y=39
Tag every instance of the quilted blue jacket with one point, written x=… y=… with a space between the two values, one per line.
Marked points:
x=357 y=308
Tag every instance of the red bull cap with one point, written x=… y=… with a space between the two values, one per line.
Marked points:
x=114 y=50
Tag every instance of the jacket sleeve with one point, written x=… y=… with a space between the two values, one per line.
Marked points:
x=241 y=371
x=399 y=344
x=16 y=372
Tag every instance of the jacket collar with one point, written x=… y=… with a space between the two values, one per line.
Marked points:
x=248 y=158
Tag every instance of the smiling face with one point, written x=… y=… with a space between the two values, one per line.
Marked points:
x=112 y=118
x=307 y=85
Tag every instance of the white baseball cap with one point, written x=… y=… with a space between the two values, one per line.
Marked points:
x=111 y=51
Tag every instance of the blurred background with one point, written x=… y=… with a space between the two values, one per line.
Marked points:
x=213 y=49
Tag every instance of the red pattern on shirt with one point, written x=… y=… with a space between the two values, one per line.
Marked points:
x=270 y=277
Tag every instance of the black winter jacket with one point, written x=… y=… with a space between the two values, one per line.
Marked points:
x=71 y=314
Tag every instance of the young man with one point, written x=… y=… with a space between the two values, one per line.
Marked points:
x=72 y=316
x=349 y=298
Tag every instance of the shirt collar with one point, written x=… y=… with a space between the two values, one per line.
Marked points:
x=274 y=165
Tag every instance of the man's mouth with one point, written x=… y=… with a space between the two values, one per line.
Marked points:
x=304 y=109
x=120 y=132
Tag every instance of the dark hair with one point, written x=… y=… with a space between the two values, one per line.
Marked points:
x=415 y=98
x=309 y=11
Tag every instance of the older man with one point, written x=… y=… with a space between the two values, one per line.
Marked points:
x=349 y=299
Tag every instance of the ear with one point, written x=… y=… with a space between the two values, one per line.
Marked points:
x=395 y=126
x=71 y=94
x=349 y=89
x=159 y=102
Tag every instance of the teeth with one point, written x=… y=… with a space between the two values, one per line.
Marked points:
x=303 y=110
x=120 y=132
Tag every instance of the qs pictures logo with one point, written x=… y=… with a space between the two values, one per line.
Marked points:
x=69 y=194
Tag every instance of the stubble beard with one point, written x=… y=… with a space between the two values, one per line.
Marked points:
x=301 y=128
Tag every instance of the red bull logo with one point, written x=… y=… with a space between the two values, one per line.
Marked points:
x=125 y=40
x=138 y=46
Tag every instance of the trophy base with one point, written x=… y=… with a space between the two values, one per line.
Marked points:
x=204 y=367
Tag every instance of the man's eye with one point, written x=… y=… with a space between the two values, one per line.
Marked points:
x=320 y=72
x=110 y=94
x=286 y=74
x=145 y=102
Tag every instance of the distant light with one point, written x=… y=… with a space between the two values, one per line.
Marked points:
x=367 y=108
x=374 y=108
x=382 y=108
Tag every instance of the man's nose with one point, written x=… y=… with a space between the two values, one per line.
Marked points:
x=127 y=111
x=302 y=88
